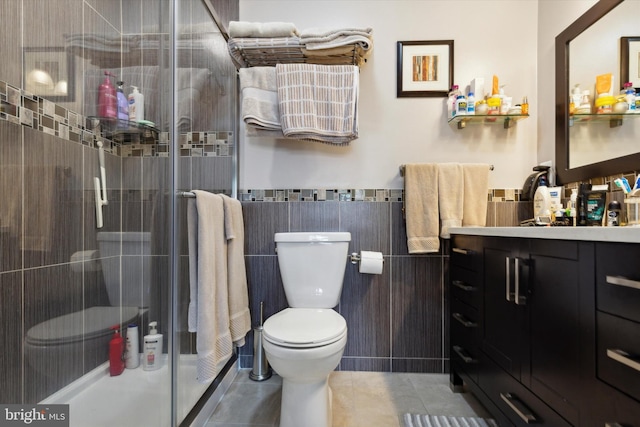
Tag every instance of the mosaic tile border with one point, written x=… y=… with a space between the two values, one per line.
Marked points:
x=355 y=195
x=21 y=107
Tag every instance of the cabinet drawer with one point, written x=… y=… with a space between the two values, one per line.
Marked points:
x=618 y=279
x=619 y=353
x=515 y=401
x=466 y=251
x=465 y=286
x=465 y=339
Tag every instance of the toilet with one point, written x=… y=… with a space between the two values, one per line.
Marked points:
x=305 y=342
x=86 y=333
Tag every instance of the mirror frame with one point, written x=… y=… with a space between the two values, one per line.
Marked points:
x=566 y=174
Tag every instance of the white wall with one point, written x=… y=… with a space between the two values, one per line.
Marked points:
x=491 y=37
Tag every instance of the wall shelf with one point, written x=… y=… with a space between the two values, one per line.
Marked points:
x=614 y=119
x=507 y=120
x=124 y=131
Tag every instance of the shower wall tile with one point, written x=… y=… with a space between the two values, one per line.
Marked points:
x=417 y=306
x=132 y=16
x=212 y=174
x=372 y=234
x=109 y=9
x=155 y=18
x=11 y=353
x=261 y=222
x=365 y=305
x=11 y=195
x=53 y=199
x=11 y=33
x=315 y=216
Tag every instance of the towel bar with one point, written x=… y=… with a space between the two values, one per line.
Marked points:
x=186 y=194
x=402 y=169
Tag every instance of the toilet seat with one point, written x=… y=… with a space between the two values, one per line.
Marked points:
x=304 y=327
x=86 y=324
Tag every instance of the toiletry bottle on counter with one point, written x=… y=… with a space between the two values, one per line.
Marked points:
x=613 y=213
x=136 y=105
x=116 y=347
x=107 y=98
x=152 y=349
x=132 y=356
x=542 y=200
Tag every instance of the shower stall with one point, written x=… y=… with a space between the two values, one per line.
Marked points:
x=93 y=232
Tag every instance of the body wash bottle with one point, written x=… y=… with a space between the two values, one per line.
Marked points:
x=116 y=347
x=152 y=349
x=136 y=105
x=107 y=98
x=132 y=356
x=123 y=104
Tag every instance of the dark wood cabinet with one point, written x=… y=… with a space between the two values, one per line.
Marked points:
x=545 y=339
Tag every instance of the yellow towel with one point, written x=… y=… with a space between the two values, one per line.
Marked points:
x=421 y=205
x=476 y=187
x=451 y=196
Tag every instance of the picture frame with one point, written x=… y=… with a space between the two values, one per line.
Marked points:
x=630 y=61
x=49 y=73
x=424 y=68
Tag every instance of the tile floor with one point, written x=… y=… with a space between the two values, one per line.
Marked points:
x=360 y=399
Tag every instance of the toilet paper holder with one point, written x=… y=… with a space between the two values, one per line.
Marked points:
x=355 y=257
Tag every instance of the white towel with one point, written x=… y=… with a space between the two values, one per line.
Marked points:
x=318 y=102
x=451 y=197
x=208 y=306
x=421 y=207
x=239 y=316
x=262 y=29
x=317 y=38
x=476 y=188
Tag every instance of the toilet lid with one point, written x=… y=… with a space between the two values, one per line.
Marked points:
x=304 y=327
x=85 y=324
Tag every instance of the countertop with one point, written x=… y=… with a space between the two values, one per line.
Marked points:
x=598 y=234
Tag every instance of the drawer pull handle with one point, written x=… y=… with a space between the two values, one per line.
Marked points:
x=460 y=284
x=613 y=425
x=465 y=322
x=518 y=407
x=462 y=251
x=625 y=358
x=623 y=281
x=463 y=354
x=507 y=272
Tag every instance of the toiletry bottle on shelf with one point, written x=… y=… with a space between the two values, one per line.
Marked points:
x=451 y=101
x=123 y=104
x=132 y=356
x=542 y=200
x=461 y=106
x=524 y=107
x=116 y=347
x=107 y=98
x=136 y=105
x=471 y=104
x=152 y=349
x=630 y=96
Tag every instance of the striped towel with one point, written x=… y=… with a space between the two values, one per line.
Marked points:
x=415 y=420
x=318 y=102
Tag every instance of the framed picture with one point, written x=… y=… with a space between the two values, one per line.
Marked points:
x=630 y=61
x=49 y=73
x=425 y=68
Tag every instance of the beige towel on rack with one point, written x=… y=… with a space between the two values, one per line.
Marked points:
x=450 y=196
x=421 y=207
x=318 y=102
x=209 y=302
x=261 y=29
x=239 y=316
x=476 y=189
x=259 y=107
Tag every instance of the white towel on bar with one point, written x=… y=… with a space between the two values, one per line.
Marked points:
x=318 y=102
x=208 y=306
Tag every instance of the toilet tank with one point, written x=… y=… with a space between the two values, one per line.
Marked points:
x=125 y=261
x=312 y=267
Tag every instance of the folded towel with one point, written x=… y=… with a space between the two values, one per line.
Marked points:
x=209 y=302
x=259 y=107
x=364 y=43
x=314 y=39
x=261 y=29
x=476 y=188
x=421 y=207
x=450 y=196
x=318 y=102
x=239 y=316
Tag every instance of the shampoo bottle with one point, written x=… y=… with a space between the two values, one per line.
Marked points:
x=132 y=357
x=123 y=104
x=136 y=105
x=152 y=349
x=107 y=98
x=542 y=201
x=116 y=347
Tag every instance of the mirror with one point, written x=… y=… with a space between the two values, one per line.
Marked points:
x=595 y=147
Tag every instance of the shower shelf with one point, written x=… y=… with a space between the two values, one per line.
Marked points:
x=124 y=131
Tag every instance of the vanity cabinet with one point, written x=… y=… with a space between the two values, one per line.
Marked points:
x=555 y=348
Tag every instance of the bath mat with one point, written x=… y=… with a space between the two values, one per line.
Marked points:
x=417 y=420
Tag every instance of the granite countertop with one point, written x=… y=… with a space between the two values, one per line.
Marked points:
x=599 y=234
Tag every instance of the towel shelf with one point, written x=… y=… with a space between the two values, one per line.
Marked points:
x=491 y=167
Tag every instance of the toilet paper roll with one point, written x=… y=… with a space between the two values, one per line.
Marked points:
x=371 y=262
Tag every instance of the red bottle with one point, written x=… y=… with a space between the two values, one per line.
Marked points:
x=116 y=350
x=107 y=98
